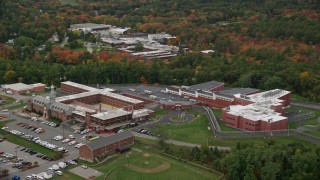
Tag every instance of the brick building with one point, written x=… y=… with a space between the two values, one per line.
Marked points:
x=105 y=146
x=258 y=112
x=90 y=95
x=21 y=88
x=50 y=108
x=86 y=105
x=211 y=93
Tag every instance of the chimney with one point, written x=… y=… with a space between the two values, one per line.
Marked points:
x=88 y=119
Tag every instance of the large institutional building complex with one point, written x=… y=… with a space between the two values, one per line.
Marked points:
x=243 y=108
x=98 y=108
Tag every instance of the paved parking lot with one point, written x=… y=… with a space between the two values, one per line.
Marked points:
x=50 y=132
x=8 y=147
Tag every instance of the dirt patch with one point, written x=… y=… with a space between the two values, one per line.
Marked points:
x=158 y=169
x=146 y=155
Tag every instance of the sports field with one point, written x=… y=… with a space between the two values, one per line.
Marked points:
x=144 y=165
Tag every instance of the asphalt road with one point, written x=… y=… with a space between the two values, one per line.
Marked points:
x=310 y=105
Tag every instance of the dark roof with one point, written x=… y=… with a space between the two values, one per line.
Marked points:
x=40 y=100
x=105 y=141
x=173 y=89
x=207 y=86
x=187 y=90
x=233 y=91
x=205 y=92
x=223 y=95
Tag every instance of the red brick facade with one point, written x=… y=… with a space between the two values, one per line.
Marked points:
x=88 y=154
x=253 y=125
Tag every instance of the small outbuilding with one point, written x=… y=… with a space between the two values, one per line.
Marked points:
x=106 y=146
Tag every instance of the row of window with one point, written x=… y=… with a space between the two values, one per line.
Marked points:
x=250 y=124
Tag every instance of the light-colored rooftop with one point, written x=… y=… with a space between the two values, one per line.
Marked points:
x=207 y=51
x=255 y=113
x=19 y=87
x=105 y=92
x=82 y=109
x=120 y=97
x=267 y=95
x=91 y=26
x=37 y=84
x=141 y=113
x=111 y=114
x=81 y=86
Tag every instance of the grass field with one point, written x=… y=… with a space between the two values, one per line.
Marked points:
x=25 y=143
x=158 y=114
x=149 y=164
x=296 y=97
x=313 y=133
x=193 y=132
x=16 y=106
x=37 y=93
x=67 y=175
x=8 y=100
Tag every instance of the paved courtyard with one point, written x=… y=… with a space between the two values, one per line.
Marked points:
x=88 y=173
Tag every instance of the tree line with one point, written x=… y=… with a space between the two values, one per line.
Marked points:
x=185 y=69
x=261 y=160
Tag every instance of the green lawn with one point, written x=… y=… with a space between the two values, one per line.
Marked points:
x=158 y=114
x=25 y=143
x=217 y=113
x=154 y=165
x=193 y=132
x=292 y=125
x=296 y=97
x=313 y=121
x=36 y=93
x=8 y=100
x=225 y=128
x=313 y=133
x=16 y=106
x=68 y=176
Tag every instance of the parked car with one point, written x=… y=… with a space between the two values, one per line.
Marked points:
x=71 y=137
x=72 y=143
x=65 y=140
x=60 y=173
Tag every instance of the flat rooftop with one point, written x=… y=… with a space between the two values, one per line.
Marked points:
x=89 y=25
x=104 y=92
x=141 y=113
x=255 y=113
x=207 y=86
x=19 y=87
x=231 y=92
x=267 y=95
x=111 y=114
x=81 y=86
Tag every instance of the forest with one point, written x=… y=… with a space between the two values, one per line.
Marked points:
x=265 y=160
x=261 y=44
